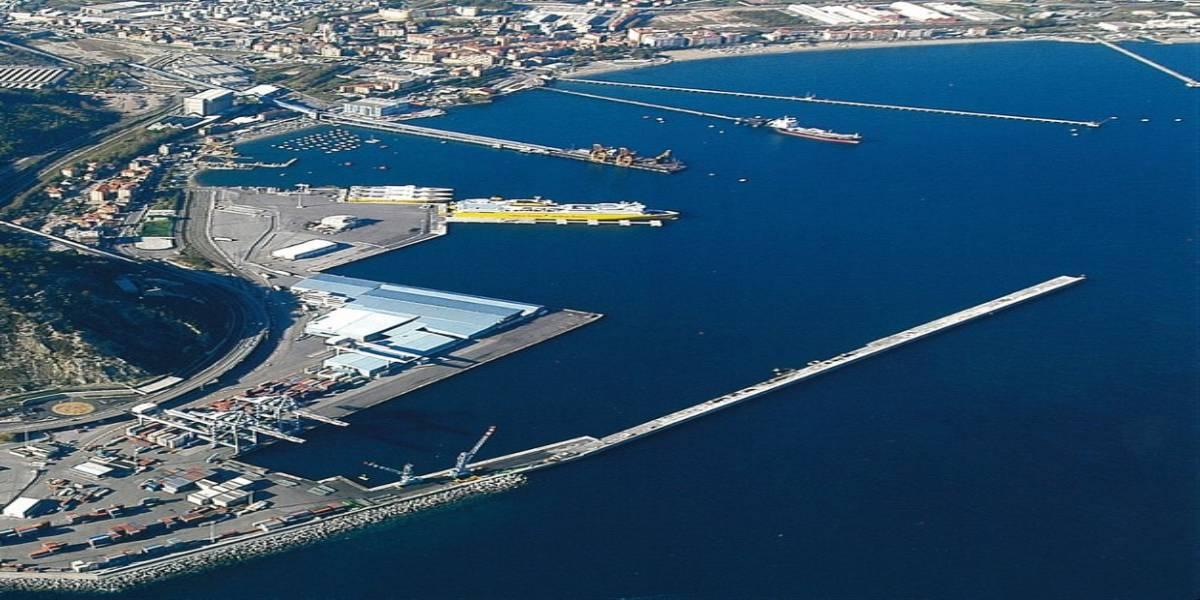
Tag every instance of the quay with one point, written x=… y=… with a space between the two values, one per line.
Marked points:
x=816 y=100
x=644 y=164
x=787 y=378
x=1188 y=81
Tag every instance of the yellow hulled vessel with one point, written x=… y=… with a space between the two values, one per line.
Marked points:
x=539 y=209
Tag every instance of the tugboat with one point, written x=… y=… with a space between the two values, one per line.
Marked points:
x=789 y=126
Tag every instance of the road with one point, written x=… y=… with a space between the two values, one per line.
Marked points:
x=249 y=319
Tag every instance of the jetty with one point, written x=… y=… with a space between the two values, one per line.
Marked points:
x=1188 y=81
x=686 y=111
x=656 y=165
x=816 y=100
x=792 y=377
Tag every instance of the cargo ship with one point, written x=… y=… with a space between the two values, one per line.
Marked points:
x=789 y=126
x=540 y=209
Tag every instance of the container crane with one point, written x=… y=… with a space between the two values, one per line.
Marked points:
x=406 y=474
x=461 y=469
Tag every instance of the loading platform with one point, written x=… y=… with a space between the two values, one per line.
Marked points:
x=791 y=377
x=816 y=100
x=1188 y=81
x=496 y=143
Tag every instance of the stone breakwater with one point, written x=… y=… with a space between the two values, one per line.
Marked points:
x=123 y=578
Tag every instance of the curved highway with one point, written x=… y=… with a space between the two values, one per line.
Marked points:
x=250 y=322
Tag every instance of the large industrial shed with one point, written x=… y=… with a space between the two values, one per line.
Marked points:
x=403 y=322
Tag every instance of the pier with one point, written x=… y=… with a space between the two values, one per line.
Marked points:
x=686 y=111
x=791 y=377
x=1188 y=81
x=816 y=100
x=644 y=164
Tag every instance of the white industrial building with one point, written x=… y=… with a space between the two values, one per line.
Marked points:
x=304 y=250
x=25 y=508
x=398 y=324
x=208 y=103
x=374 y=107
x=93 y=470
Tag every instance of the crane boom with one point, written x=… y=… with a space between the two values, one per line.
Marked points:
x=460 y=466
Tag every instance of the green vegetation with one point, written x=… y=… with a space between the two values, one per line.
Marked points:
x=94 y=77
x=11 y=56
x=490 y=5
x=190 y=258
x=64 y=320
x=35 y=122
x=169 y=200
x=310 y=24
x=142 y=142
x=311 y=79
x=768 y=18
x=157 y=227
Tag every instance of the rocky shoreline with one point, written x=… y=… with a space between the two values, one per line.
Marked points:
x=123 y=578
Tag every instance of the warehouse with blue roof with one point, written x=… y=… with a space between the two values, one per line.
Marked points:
x=399 y=323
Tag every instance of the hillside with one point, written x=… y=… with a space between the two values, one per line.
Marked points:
x=65 y=319
x=38 y=121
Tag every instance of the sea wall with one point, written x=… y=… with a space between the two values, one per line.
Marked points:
x=122 y=578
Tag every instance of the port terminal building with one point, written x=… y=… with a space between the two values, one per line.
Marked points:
x=377 y=326
x=208 y=103
x=374 y=108
x=398 y=194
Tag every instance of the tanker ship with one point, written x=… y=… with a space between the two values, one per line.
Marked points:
x=789 y=126
x=540 y=209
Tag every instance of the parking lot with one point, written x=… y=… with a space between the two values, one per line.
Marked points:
x=249 y=225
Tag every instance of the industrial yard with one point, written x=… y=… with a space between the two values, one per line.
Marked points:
x=309 y=229
x=172 y=479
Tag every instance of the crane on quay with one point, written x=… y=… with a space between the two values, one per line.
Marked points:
x=406 y=474
x=461 y=469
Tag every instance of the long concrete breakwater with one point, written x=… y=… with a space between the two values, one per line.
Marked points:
x=831 y=101
x=787 y=378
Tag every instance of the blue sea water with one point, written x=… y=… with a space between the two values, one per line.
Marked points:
x=1046 y=452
